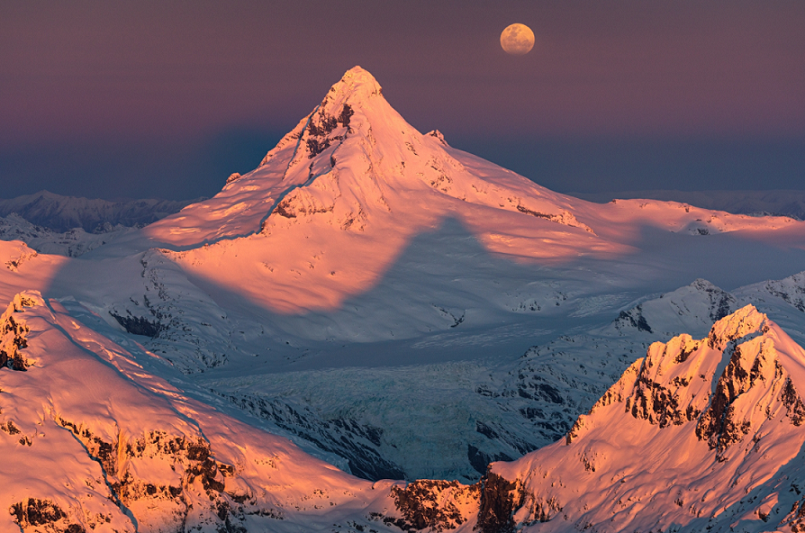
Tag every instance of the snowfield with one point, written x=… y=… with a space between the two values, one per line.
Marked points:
x=371 y=314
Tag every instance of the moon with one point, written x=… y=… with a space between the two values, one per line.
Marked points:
x=517 y=39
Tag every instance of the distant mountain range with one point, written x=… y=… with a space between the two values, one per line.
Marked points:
x=63 y=213
x=757 y=203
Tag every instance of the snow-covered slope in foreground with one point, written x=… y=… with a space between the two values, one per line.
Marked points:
x=93 y=442
x=699 y=435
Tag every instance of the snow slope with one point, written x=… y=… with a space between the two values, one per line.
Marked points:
x=100 y=444
x=700 y=434
x=756 y=203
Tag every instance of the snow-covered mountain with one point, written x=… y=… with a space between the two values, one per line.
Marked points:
x=701 y=434
x=391 y=305
x=353 y=175
x=63 y=213
x=94 y=442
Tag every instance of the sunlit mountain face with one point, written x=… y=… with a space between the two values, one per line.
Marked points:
x=374 y=331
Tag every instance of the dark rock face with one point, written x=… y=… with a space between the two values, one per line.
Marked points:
x=32 y=513
x=10 y=350
x=435 y=505
x=657 y=403
x=438 y=135
x=13 y=335
x=634 y=318
x=423 y=504
x=345 y=116
x=137 y=325
x=499 y=500
x=718 y=425
x=795 y=409
x=480 y=460
x=321 y=125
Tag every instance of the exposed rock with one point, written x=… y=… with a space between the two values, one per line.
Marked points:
x=32 y=513
x=432 y=504
x=499 y=499
x=438 y=135
x=635 y=318
x=197 y=486
x=14 y=333
x=480 y=460
x=137 y=325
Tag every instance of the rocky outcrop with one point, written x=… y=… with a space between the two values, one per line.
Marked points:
x=436 y=506
x=14 y=333
x=33 y=514
x=195 y=491
x=720 y=416
x=433 y=504
x=499 y=499
x=138 y=325
x=23 y=255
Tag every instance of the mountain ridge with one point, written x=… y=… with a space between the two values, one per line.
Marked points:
x=63 y=213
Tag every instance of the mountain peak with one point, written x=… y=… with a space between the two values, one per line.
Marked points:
x=357 y=81
x=743 y=322
x=354 y=162
x=354 y=90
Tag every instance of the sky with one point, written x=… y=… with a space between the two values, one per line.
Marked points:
x=166 y=99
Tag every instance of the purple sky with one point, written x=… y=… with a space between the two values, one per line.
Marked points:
x=167 y=98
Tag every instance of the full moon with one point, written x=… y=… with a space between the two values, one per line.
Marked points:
x=517 y=39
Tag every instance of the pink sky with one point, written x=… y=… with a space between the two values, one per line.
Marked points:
x=140 y=72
